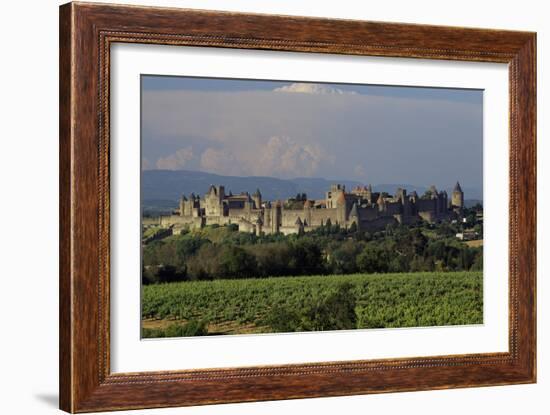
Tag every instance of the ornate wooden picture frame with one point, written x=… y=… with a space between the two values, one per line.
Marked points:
x=87 y=32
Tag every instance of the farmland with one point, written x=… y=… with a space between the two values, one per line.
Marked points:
x=312 y=303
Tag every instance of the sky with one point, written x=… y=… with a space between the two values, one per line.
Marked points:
x=286 y=129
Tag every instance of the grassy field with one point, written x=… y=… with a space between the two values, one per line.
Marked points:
x=312 y=303
x=474 y=244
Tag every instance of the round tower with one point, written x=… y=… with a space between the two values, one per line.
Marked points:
x=354 y=215
x=257 y=198
x=341 y=206
x=457 y=198
x=381 y=203
x=183 y=199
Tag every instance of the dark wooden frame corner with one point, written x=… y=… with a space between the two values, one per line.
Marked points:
x=86 y=33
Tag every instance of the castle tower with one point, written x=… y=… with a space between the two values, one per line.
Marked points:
x=381 y=203
x=445 y=202
x=183 y=199
x=457 y=197
x=193 y=205
x=354 y=215
x=435 y=198
x=342 y=209
x=248 y=204
x=333 y=195
x=369 y=194
x=413 y=197
x=405 y=203
x=276 y=217
x=266 y=214
x=213 y=201
x=308 y=205
x=257 y=198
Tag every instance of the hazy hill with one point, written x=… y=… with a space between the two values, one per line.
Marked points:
x=162 y=188
x=169 y=185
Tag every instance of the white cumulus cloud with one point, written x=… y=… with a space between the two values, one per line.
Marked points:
x=316 y=89
x=176 y=161
x=282 y=156
x=220 y=161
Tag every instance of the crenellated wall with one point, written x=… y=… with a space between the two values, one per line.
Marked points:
x=368 y=210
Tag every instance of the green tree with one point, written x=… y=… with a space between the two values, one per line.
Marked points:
x=344 y=255
x=235 y=262
x=335 y=311
x=372 y=259
x=306 y=257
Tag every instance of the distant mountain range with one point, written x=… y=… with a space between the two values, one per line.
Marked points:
x=162 y=188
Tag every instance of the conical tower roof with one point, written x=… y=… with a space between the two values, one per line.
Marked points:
x=457 y=187
x=353 y=211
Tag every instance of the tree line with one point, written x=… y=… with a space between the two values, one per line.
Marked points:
x=224 y=252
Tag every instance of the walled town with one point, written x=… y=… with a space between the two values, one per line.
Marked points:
x=361 y=208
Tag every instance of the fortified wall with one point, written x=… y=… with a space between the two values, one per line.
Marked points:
x=361 y=207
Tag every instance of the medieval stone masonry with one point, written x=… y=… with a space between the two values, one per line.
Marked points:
x=361 y=207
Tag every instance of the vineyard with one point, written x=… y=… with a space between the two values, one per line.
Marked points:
x=311 y=303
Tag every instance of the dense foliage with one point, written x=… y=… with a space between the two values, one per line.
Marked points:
x=216 y=252
x=191 y=328
x=289 y=304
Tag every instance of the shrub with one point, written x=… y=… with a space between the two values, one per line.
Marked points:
x=478 y=262
x=148 y=276
x=189 y=329
x=283 y=320
x=220 y=261
x=306 y=257
x=154 y=274
x=272 y=259
x=372 y=259
x=170 y=273
x=336 y=311
x=235 y=262
x=343 y=256
x=205 y=263
x=233 y=227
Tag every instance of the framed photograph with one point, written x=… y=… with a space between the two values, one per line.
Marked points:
x=259 y=207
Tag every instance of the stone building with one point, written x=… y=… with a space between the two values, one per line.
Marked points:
x=367 y=209
x=457 y=198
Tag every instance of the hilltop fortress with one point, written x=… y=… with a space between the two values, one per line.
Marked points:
x=361 y=206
